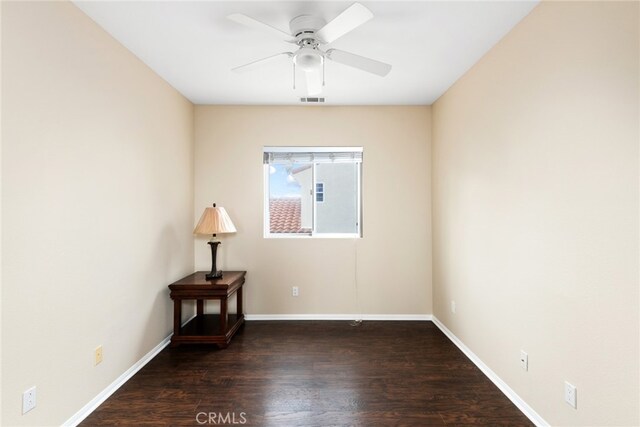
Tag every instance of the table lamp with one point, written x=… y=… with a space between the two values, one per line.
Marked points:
x=214 y=221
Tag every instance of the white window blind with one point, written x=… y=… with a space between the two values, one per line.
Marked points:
x=292 y=155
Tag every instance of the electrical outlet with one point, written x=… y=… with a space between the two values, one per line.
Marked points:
x=295 y=291
x=453 y=307
x=571 y=394
x=524 y=360
x=29 y=400
x=98 y=355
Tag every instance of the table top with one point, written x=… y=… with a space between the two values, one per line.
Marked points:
x=197 y=280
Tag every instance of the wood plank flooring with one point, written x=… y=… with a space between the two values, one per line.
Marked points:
x=312 y=373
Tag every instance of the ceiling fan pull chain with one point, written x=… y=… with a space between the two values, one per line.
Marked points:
x=294 y=75
x=323 y=72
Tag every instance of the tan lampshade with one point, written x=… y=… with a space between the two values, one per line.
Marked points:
x=214 y=221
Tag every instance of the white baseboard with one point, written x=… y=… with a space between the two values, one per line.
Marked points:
x=504 y=388
x=415 y=317
x=87 y=409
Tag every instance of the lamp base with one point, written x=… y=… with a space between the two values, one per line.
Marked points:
x=213 y=275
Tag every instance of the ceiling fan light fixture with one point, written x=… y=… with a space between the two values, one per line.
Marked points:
x=308 y=59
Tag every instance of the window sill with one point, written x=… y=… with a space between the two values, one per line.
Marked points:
x=313 y=236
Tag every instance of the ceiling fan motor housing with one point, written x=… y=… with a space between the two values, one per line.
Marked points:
x=304 y=26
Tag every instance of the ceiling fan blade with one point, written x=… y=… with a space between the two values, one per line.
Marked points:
x=254 y=64
x=314 y=82
x=360 y=62
x=254 y=23
x=351 y=18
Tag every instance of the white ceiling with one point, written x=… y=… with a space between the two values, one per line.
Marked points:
x=193 y=46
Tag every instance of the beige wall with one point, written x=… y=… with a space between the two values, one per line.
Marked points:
x=535 y=195
x=393 y=259
x=97 y=208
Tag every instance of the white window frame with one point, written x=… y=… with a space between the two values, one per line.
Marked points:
x=313 y=235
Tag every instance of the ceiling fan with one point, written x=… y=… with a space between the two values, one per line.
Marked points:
x=309 y=33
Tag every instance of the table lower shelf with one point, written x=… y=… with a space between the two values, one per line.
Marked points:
x=207 y=329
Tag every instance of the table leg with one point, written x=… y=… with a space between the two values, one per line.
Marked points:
x=200 y=307
x=239 y=302
x=223 y=315
x=177 y=315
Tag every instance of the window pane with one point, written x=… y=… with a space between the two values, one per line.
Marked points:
x=319 y=192
x=339 y=211
x=290 y=198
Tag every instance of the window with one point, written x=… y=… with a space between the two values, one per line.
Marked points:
x=319 y=192
x=296 y=200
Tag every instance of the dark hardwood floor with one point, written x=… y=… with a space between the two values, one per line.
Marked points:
x=313 y=374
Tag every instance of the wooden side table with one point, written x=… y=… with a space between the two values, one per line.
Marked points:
x=207 y=328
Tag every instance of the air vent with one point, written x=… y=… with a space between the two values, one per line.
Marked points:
x=312 y=100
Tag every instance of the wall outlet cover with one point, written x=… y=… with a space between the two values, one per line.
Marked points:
x=98 y=355
x=524 y=360
x=571 y=394
x=29 y=400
